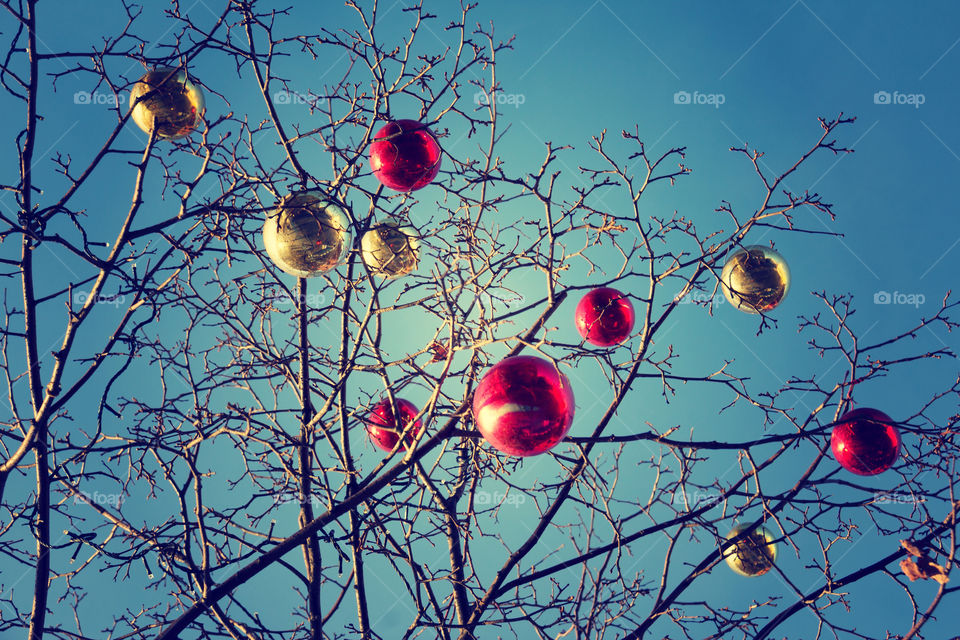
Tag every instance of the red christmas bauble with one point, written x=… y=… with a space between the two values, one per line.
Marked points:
x=382 y=425
x=405 y=156
x=865 y=442
x=604 y=317
x=523 y=406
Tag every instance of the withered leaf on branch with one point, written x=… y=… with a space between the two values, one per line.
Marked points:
x=439 y=352
x=923 y=567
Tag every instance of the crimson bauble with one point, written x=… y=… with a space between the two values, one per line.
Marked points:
x=382 y=425
x=523 y=406
x=865 y=442
x=405 y=156
x=604 y=317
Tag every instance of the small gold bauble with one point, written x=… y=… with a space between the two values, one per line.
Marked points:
x=307 y=234
x=390 y=250
x=168 y=99
x=755 y=279
x=754 y=554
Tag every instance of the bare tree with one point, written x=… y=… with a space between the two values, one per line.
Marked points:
x=186 y=420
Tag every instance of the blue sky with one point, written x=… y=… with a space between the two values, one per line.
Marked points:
x=702 y=75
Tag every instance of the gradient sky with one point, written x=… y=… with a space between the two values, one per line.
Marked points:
x=754 y=72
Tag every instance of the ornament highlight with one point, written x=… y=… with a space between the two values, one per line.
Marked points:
x=865 y=442
x=604 y=317
x=382 y=424
x=390 y=250
x=404 y=155
x=754 y=555
x=755 y=279
x=171 y=101
x=523 y=406
x=307 y=234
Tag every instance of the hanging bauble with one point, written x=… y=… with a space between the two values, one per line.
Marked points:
x=390 y=249
x=383 y=428
x=523 y=406
x=754 y=554
x=405 y=156
x=755 y=279
x=865 y=442
x=604 y=317
x=307 y=234
x=169 y=100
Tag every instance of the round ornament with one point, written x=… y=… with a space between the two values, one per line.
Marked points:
x=404 y=155
x=169 y=100
x=523 y=406
x=755 y=279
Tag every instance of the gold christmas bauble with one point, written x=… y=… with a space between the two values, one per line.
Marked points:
x=755 y=279
x=390 y=250
x=168 y=99
x=754 y=554
x=307 y=234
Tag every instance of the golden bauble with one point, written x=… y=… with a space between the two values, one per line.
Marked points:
x=755 y=279
x=390 y=250
x=754 y=554
x=307 y=234
x=170 y=100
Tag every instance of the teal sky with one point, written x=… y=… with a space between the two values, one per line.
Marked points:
x=703 y=75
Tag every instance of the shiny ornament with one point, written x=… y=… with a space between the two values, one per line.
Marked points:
x=405 y=156
x=604 y=317
x=382 y=424
x=523 y=406
x=390 y=250
x=171 y=101
x=307 y=234
x=865 y=442
x=755 y=279
x=754 y=554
